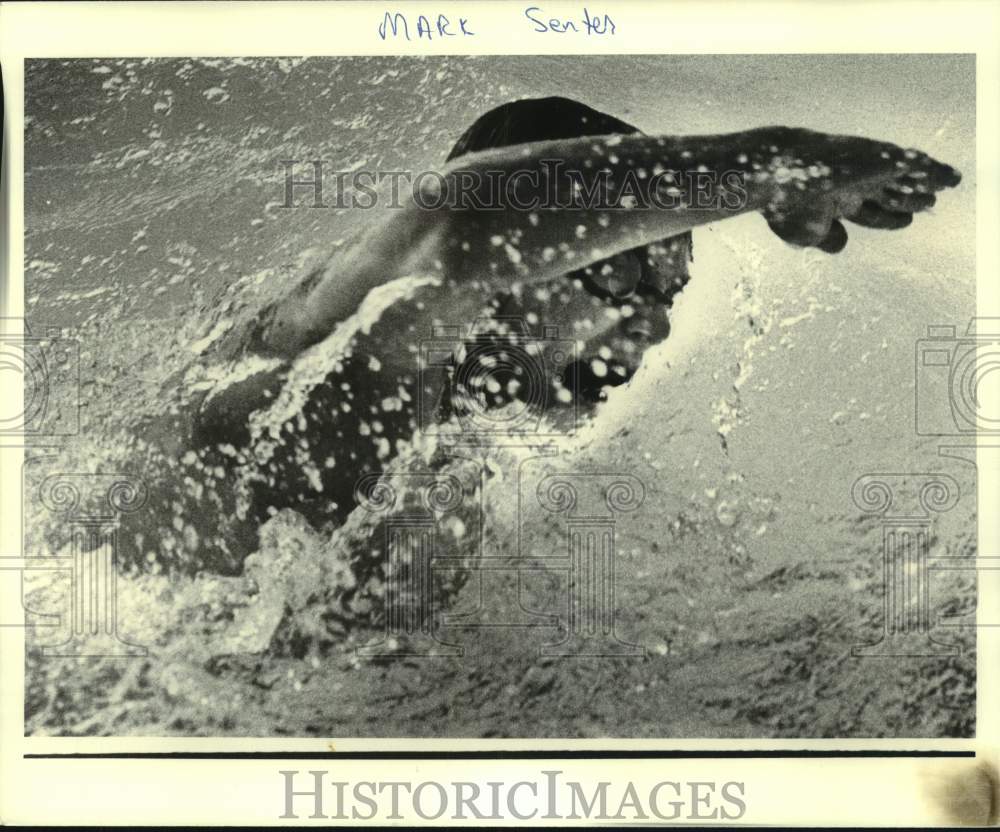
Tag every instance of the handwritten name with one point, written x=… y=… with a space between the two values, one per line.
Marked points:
x=399 y=26
x=591 y=25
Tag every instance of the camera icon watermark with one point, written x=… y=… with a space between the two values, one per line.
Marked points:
x=958 y=380
x=957 y=396
x=496 y=379
x=47 y=367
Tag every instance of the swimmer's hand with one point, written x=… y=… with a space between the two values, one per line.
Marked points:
x=819 y=180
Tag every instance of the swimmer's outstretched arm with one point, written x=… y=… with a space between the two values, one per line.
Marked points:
x=564 y=204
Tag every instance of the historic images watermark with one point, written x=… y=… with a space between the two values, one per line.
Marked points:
x=548 y=186
x=317 y=794
x=90 y=507
x=84 y=508
x=587 y=507
x=957 y=398
x=79 y=615
x=488 y=385
x=906 y=503
x=45 y=364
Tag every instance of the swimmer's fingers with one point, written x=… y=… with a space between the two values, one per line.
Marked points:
x=895 y=167
x=893 y=206
x=918 y=182
x=835 y=240
x=816 y=231
x=892 y=211
x=872 y=215
x=900 y=180
x=872 y=184
x=916 y=167
x=827 y=235
x=905 y=200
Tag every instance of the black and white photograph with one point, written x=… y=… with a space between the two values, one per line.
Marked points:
x=541 y=396
x=487 y=412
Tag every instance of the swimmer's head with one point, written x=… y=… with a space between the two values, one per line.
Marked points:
x=658 y=271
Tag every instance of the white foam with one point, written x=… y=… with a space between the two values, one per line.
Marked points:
x=314 y=364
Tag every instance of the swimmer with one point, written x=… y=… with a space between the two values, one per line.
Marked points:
x=321 y=387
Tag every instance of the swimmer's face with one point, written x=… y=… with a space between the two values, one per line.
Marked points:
x=610 y=313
